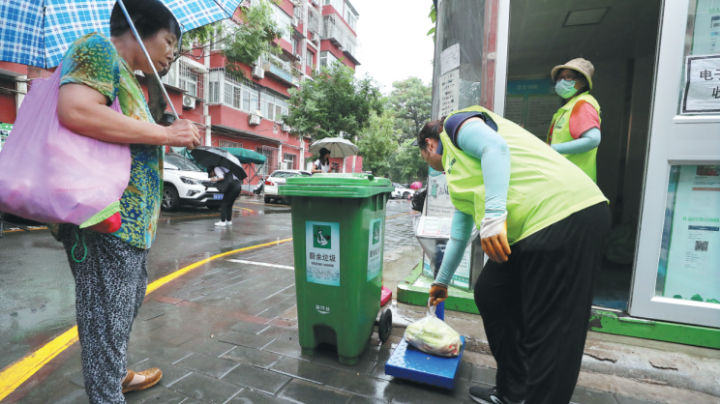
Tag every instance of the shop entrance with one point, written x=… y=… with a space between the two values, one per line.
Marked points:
x=620 y=38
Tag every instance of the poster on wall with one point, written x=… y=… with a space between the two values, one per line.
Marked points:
x=532 y=104
x=706 y=31
x=5 y=129
x=322 y=249
x=693 y=266
x=449 y=92
x=701 y=94
x=438 y=197
x=433 y=230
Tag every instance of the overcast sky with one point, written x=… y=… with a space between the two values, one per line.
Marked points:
x=393 y=40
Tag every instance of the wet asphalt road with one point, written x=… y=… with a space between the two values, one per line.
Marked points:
x=36 y=286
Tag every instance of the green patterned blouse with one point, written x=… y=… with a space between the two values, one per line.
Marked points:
x=93 y=61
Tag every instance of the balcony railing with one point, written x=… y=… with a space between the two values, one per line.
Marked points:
x=282 y=69
x=339 y=34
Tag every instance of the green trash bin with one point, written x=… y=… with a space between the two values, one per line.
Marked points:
x=338 y=223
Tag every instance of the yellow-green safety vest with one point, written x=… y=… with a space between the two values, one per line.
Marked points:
x=559 y=132
x=544 y=187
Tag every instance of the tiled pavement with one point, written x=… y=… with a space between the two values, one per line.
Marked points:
x=227 y=333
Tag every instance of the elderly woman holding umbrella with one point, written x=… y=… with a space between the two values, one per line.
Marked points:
x=111 y=279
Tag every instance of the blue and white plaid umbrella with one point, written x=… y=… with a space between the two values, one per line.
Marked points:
x=39 y=32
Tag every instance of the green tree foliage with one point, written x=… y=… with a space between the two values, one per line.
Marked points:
x=333 y=102
x=407 y=165
x=411 y=100
x=245 y=42
x=378 y=142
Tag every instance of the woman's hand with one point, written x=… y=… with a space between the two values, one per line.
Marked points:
x=497 y=247
x=183 y=133
x=438 y=294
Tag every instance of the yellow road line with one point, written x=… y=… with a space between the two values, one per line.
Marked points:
x=31 y=229
x=402 y=214
x=266 y=204
x=17 y=373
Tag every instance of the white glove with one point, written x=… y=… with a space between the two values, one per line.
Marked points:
x=492 y=226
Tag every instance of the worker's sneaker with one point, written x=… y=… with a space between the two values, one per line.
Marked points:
x=489 y=396
x=228 y=223
x=220 y=224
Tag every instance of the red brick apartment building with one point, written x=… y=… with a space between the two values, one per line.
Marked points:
x=244 y=112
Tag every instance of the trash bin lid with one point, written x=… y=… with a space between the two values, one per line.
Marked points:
x=336 y=186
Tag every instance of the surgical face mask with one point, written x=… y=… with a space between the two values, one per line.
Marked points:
x=565 y=88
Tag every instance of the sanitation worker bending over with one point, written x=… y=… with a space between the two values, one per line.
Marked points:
x=542 y=223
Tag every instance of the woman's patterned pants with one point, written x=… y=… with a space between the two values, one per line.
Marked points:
x=110 y=286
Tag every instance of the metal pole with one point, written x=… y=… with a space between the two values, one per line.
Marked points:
x=137 y=36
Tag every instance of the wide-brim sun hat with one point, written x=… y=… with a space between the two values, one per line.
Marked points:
x=580 y=65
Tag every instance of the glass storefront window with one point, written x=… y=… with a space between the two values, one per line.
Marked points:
x=701 y=62
x=689 y=266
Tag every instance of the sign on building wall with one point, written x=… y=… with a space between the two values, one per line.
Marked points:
x=701 y=94
x=434 y=229
x=532 y=104
x=693 y=264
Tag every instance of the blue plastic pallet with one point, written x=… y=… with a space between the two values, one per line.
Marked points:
x=407 y=362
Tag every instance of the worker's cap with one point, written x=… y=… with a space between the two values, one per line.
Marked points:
x=580 y=65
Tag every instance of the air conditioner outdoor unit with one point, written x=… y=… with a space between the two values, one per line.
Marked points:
x=295 y=21
x=188 y=102
x=255 y=119
x=258 y=72
x=286 y=128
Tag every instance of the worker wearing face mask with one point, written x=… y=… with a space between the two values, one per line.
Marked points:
x=575 y=129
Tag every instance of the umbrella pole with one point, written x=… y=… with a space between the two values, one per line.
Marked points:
x=137 y=36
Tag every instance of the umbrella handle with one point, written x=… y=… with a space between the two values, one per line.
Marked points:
x=147 y=55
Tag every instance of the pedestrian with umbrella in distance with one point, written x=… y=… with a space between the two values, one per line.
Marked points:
x=322 y=165
x=227 y=173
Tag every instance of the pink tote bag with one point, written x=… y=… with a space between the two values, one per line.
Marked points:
x=51 y=174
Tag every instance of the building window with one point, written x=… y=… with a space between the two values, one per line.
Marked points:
x=237 y=96
x=284 y=21
x=337 y=4
x=350 y=18
x=214 y=92
x=228 y=143
x=189 y=81
x=310 y=59
x=327 y=58
x=171 y=77
x=289 y=161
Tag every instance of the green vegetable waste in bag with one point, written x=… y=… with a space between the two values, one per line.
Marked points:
x=432 y=335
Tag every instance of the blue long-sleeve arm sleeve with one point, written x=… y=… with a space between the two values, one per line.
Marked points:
x=589 y=140
x=480 y=141
x=460 y=232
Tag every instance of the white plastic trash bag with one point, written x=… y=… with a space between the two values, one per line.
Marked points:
x=432 y=335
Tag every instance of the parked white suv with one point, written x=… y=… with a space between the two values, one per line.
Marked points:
x=401 y=192
x=186 y=184
x=278 y=177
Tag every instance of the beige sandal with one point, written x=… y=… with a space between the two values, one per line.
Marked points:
x=152 y=377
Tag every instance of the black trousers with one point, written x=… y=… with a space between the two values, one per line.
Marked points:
x=536 y=307
x=230 y=194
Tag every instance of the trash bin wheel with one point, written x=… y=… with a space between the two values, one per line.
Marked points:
x=385 y=326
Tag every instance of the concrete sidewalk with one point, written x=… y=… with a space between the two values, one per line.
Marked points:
x=227 y=333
